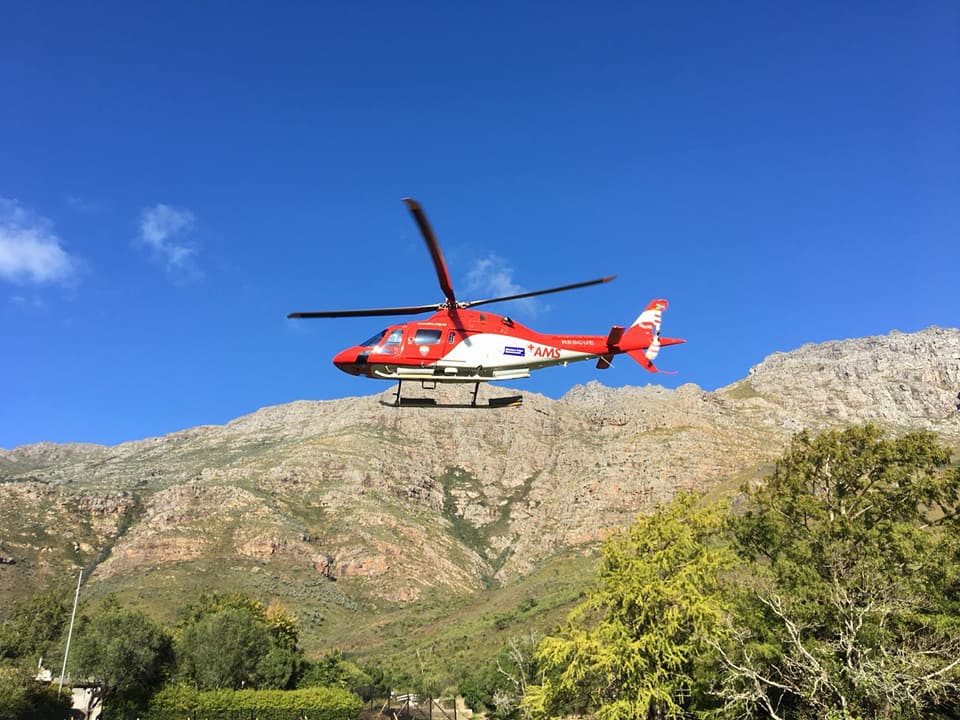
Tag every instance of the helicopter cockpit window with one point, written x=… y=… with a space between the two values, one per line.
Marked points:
x=395 y=337
x=375 y=340
x=426 y=337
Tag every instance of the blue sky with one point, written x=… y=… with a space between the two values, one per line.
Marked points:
x=176 y=178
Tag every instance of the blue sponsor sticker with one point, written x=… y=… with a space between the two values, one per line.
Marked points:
x=518 y=351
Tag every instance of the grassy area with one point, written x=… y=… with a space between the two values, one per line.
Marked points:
x=446 y=631
x=742 y=390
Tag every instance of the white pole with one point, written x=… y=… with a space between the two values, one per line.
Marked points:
x=73 y=615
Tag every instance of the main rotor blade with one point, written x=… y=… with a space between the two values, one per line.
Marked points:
x=372 y=312
x=574 y=286
x=441 y=267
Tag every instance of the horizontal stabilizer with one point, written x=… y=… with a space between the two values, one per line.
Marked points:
x=616 y=332
x=605 y=362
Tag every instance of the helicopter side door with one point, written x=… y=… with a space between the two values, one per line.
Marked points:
x=425 y=343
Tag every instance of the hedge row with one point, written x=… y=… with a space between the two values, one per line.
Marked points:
x=318 y=703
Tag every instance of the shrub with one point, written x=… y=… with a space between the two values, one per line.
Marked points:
x=317 y=703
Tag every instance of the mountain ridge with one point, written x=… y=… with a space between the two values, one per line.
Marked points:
x=352 y=504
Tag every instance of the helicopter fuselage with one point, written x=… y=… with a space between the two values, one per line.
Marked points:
x=459 y=345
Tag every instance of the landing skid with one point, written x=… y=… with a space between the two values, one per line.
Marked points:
x=497 y=402
x=508 y=401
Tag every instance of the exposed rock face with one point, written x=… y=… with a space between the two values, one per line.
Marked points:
x=906 y=380
x=391 y=502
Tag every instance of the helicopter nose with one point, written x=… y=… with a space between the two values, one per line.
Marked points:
x=346 y=360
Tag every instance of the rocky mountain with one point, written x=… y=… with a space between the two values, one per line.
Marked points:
x=355 y=508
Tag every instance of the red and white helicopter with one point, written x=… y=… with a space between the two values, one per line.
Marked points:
x=460 y=345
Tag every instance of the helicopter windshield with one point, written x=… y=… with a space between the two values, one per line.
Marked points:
x=375 y=340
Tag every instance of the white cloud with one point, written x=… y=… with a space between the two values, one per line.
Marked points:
x=30 y=251
x=492 y=276
x=163 y=229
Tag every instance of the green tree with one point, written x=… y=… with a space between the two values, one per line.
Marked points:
x=35 y=626
x=501 y=683
x=334 y=670
x=126 y=651
x=369 y=681
x=633 y=648
x=223 y=649
x=851 y=606
x=283 y=627
x=23 y=698
x=233 y=642
x=279 y=667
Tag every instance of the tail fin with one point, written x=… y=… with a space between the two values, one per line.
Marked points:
x=642 y=340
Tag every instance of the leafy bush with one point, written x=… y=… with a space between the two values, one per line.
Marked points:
x=317 y=703
x=333 y=670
